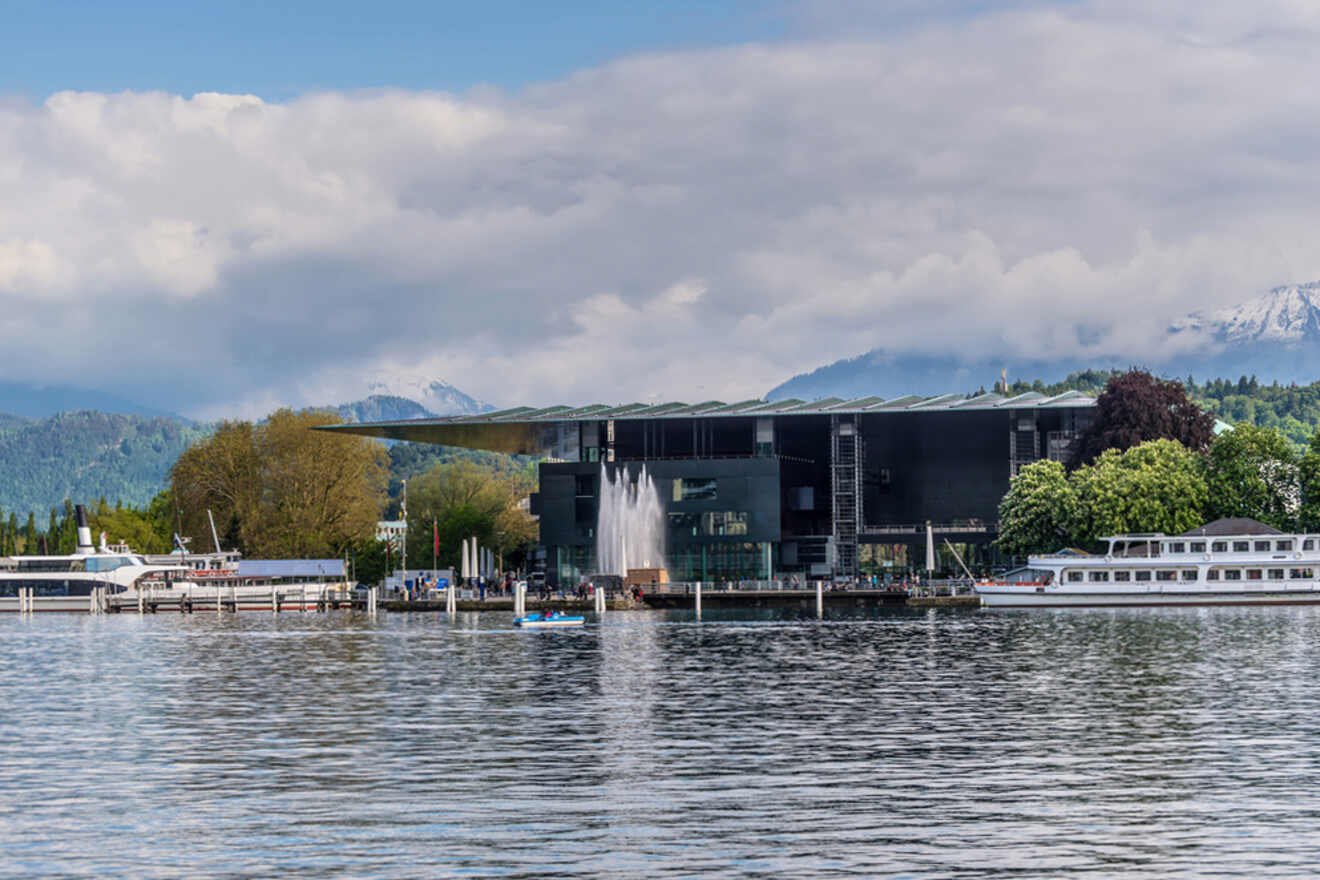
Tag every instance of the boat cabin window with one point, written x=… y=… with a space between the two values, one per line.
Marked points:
x=1189 y=574
x=1276 y=574
x=1262 y=546
x=1212 y=574
x=1233 y=574
x=1283 y=545
x=107 y=563
x=50 y=565
x=1219 y=547
x=1098 y=576
x=1122 y=575
x=1164 y=575
x=1253 y=574
x=1143 y=575
x=1308 y=544
x=1298 y=574
x=1241 y=546
x=1178 y=547
x=1197 y=546
x=1074 y=577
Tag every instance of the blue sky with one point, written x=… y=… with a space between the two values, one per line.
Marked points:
x=281 y=49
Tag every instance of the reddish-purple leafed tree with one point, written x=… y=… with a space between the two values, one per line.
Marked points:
x=1136 y=407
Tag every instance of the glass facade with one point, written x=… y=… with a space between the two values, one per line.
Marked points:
x=721 y=562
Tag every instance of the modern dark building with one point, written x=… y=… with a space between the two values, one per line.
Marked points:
x=755 y=490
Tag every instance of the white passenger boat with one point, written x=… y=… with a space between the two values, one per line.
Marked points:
x=82 y=581
x=114 y=578
x=1226 y=562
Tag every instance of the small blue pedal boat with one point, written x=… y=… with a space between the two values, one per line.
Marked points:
x=548 y=619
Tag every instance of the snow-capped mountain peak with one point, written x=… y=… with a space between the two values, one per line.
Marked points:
x=1288 y=314
x=436 y=395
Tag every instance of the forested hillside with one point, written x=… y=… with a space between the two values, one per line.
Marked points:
x=1293 y=409
x=86 y=455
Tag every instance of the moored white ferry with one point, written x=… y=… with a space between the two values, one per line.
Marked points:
x=1226 y=562
x=114 y=578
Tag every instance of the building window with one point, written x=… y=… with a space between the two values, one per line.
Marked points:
x=694 y=489
x=684 y=523
x=724 y=522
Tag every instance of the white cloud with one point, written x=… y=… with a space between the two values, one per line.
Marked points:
x=687 y=224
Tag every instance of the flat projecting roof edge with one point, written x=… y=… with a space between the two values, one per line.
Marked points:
x=714 y=409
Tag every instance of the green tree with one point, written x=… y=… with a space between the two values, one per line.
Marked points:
x=368 y=559
x=462 y=499
x=1253 y=472
x=1308 y=514
x=30 y=534
x=1039 y=513
x=1158 y=486
x=125 y=525
x=280 y=489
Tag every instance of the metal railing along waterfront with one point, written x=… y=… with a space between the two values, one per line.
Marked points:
x=913 y=587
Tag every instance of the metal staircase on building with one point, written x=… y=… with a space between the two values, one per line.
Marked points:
x=846 y=490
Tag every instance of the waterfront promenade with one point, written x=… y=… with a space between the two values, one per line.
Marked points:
x=684 y=596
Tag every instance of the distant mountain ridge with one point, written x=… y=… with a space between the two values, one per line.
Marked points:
x=1275 y=337
x=86 y=454
x=434 y=395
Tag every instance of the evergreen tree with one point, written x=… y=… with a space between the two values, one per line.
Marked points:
x=30 y=534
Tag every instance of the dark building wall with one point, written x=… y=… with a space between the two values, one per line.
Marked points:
x=934 y=466
x=948 y=467
x=719 y=529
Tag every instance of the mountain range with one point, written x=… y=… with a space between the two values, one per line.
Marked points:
x=83 y=453
x=1275 y=337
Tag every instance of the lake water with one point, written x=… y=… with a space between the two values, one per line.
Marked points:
x=1134 y=743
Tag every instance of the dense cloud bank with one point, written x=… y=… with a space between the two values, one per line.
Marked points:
x=694 y=224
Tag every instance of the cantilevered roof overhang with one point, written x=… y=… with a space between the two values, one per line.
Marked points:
x=527 y=430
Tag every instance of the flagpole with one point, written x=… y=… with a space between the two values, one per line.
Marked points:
x=435 y=551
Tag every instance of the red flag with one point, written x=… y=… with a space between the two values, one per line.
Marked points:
x=435 y=525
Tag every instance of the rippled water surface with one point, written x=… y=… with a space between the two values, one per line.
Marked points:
x=1138 y=743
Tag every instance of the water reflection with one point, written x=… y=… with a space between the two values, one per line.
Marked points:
x=1146 y=742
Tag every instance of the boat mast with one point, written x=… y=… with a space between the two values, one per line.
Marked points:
x=214 y=537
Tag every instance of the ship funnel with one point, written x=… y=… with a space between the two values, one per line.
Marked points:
x=84 y=533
